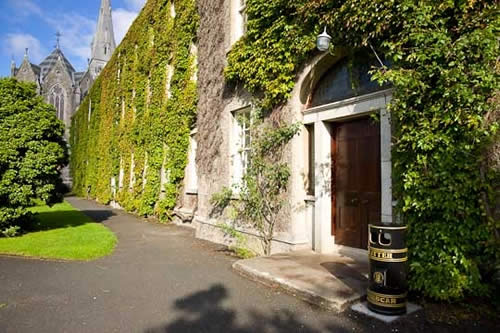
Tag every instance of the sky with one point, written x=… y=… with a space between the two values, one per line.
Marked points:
x=33 y=24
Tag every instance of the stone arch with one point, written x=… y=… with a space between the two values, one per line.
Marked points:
x=326 y=68
x=313 y=73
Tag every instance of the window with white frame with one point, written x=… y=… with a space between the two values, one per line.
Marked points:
x=241 y=143
x=191 y=172
x=242 y=11
x=238 y=19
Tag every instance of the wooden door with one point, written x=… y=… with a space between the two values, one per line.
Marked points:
x=356 y=181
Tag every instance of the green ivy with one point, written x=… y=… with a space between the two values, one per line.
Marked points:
x=134 y=121
x=444 y=74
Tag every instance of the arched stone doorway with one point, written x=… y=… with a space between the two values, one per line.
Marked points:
x=351 y=162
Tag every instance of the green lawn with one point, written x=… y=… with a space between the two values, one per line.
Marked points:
x=61 y=232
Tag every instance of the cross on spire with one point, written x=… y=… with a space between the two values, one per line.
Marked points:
x=58 y=39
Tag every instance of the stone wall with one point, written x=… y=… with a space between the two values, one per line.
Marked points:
x=217 y=101
x=211 y=161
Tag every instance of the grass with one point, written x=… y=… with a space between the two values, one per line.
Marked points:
x=61 y=232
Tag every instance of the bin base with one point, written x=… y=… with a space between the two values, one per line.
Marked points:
x=362 y=308
x=386 y=303
x=386 y=311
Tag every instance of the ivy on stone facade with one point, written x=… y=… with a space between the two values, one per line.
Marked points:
x=444 y=73
x=130 y=135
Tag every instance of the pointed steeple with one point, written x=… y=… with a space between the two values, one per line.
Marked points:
x=103 y=45
x=58 y=40
x=13 y=67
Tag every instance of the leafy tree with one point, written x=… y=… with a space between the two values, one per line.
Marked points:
x=32 y=153
x=262 y=192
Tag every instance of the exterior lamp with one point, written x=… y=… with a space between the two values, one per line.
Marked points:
x=323 y=41
x=323 y=44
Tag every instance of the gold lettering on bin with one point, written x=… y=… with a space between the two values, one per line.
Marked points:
x=387 y=255
x=386 y=300
x=380 y=254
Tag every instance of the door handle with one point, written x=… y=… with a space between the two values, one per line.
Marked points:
x=354 y=201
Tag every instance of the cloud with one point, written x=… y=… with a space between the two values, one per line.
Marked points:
x=15 y=44
x=25 y=7
x=77 y=32
x=135 y=5
x=122 y=20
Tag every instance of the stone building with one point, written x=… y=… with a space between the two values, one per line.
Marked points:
x=340 y=162
x=58 y=81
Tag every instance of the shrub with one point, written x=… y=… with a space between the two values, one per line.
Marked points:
x=32 y=153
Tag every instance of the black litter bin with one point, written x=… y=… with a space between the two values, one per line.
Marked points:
x=388 y=269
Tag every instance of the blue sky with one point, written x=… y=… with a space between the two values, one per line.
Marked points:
x=33 y=24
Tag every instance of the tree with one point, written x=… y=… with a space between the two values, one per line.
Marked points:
x=262 y=191
x=32 y=153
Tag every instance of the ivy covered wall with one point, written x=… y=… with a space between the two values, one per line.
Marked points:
x=130 y=136
x=444 y=73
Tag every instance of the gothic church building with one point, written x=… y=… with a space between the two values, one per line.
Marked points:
x=58 y=81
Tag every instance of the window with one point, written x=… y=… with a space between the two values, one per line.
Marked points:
x=61 y=108
x=241 y=143
x=243 y=15
x=172 y=10
x=56 y=98
x=191 y=172
x=348 y=78
x=310 y=160
x=238 y=19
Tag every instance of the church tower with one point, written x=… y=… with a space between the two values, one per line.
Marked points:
x=103 y=45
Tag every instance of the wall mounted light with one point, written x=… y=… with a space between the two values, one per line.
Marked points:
x=323 y=41
x=323 y=44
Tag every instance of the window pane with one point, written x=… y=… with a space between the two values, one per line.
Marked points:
x=61 y=108
x=348 y=78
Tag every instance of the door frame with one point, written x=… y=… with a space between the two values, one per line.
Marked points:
x=322 y=117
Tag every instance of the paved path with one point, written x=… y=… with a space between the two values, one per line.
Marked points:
x=159 y=279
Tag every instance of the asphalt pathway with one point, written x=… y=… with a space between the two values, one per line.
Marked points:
x=158 y=279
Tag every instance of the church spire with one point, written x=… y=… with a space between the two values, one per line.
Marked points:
x=58 y=40
x=12 y=67
x=103 y=45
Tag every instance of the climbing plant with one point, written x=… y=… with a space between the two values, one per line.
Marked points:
x=262 y=192
x=130 y=135
x=444 y=73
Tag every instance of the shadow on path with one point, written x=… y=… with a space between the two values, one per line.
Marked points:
x=203 y=311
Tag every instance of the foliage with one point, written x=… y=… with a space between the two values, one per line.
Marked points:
x=444 y=73
x=240 y=248
x=130 y=136
x=61 y=232
x=262 y=191
x=32 y=153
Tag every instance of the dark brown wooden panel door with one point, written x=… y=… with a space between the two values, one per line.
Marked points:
x=356 y=181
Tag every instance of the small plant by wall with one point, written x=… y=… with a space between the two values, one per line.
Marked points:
x=130 y=135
